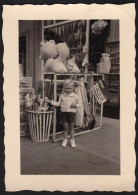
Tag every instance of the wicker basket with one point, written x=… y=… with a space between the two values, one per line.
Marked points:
x=39 y=125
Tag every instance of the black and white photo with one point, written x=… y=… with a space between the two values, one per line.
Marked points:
x=69 y=92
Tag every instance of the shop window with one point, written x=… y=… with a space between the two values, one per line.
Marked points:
x=97 y=44
x=22 y=53
x=71 y=32
x=74 y=34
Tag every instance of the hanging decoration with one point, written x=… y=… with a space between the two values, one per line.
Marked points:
x=69 y=29
x=74 y=24
x=56 y=29
x=85 y=52
x=83 y=23
x=66 y=27
x=98 y=26
x=71 y=26
x=52 y=30
x=62 y=32
x=59 y=31
x=79 y=24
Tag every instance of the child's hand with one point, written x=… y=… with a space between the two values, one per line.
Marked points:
x=48 y=101
x=73 y=106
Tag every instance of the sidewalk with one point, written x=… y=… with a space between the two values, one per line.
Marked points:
x=97 y=153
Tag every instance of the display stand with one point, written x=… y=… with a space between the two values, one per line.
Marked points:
x=92 y=82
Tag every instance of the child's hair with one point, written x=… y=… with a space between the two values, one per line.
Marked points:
x=68 y=82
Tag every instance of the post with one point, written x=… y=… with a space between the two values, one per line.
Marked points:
x=43 y=86
x=42 y=61
x=91 y=97
x=87 y=43
x=54 y=116
x=101 y=117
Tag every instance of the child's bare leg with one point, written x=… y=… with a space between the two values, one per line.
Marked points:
x=71 y=129
x=66 y=129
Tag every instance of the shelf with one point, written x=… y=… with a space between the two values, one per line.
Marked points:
x=112 y=73
x=73 y=74
x=59 y=24
x=112 y=89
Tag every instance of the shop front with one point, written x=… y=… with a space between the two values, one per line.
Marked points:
x=93 y=57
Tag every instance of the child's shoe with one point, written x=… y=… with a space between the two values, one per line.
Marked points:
x=72 y=142
x=64 y=143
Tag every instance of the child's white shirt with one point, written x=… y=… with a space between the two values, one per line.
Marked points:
x=65 y=102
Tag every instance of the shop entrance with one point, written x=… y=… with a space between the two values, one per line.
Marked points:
x=22 y=53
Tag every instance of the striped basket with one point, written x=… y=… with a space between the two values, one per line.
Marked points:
x=39 y=125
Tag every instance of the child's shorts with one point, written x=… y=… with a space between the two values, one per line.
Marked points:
x=68 y=117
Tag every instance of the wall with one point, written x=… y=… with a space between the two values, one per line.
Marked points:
x=32 y=30
x=37 y=40
x=113 y=39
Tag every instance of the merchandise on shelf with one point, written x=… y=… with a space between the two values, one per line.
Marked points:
x=25 y=85
x=105 y=64
x=50 y=50
x=71 y=65
x=85 y=52
x=35 y=102
x=98 y=26
x=20 y=70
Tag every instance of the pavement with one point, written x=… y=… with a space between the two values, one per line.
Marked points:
x=97 y=153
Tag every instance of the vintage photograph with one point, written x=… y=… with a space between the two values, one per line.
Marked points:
x=69 y=90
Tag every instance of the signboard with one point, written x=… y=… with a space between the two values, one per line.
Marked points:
x=101 y=92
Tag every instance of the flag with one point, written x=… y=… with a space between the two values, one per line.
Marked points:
x=101 y=92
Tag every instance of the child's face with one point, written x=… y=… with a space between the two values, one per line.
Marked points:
x=68 y=89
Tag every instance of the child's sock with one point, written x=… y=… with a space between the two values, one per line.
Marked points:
x=64 y=143
x=72 y=141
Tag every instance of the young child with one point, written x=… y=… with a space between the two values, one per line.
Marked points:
x=68 y=102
